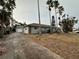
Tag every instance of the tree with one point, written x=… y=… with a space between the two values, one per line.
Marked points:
x=68 y=24
x=53 y=4
x=53 y=21
x=6 y=11
x=60 y=11
x=49 y=3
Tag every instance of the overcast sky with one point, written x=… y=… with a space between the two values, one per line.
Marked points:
x=26 y=10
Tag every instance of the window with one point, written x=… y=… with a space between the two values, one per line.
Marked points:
x=35 y=27
x=25 y=28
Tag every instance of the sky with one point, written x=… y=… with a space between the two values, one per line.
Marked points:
x=27 y=10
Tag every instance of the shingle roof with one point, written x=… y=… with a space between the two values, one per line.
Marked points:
x=37 y=25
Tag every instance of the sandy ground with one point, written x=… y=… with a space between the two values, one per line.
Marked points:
x=20 y=46
x=65 y=45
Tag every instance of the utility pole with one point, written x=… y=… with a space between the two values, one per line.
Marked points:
x=39 y=17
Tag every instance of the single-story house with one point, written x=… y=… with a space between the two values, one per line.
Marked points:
x=34 y=28
x=76 y=30
x=20 y=28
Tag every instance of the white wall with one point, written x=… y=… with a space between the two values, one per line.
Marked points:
x=19 y=30
x=23 y=30
x=33 y=30
x=26 y=30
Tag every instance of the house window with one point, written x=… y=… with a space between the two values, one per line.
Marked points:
x=35 y=27
x=25 y=28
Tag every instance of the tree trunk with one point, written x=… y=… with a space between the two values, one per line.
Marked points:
x=56 y=18
x=50 y=21
x=61 y=27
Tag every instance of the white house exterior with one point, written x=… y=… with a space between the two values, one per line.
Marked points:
x=26 y=30
x=19 y=29
x=34 y=28
x=76 y=30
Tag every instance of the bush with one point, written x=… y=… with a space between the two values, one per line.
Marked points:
x=68 y=24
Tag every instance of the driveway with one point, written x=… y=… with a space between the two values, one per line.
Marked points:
x=20 y=46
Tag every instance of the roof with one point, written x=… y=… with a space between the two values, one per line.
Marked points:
x=37 y=25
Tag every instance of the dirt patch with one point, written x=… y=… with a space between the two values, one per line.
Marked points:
x=65 y=45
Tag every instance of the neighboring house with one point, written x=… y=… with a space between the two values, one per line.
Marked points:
x=34 y=28
x=76 y=30
x=20 y=28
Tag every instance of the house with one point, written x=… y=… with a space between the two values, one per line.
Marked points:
x=76 y=30
x=20 y=28
x=34 y=28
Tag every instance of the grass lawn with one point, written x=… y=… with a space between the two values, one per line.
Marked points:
x=65 y=45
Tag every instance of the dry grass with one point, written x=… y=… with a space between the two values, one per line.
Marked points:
x=66 y=45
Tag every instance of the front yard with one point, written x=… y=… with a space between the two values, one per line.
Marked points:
x=65 y=45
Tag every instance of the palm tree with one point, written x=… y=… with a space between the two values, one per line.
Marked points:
x=55 y=5
x=60 y=10
x=49 y=3
x=50 y=14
